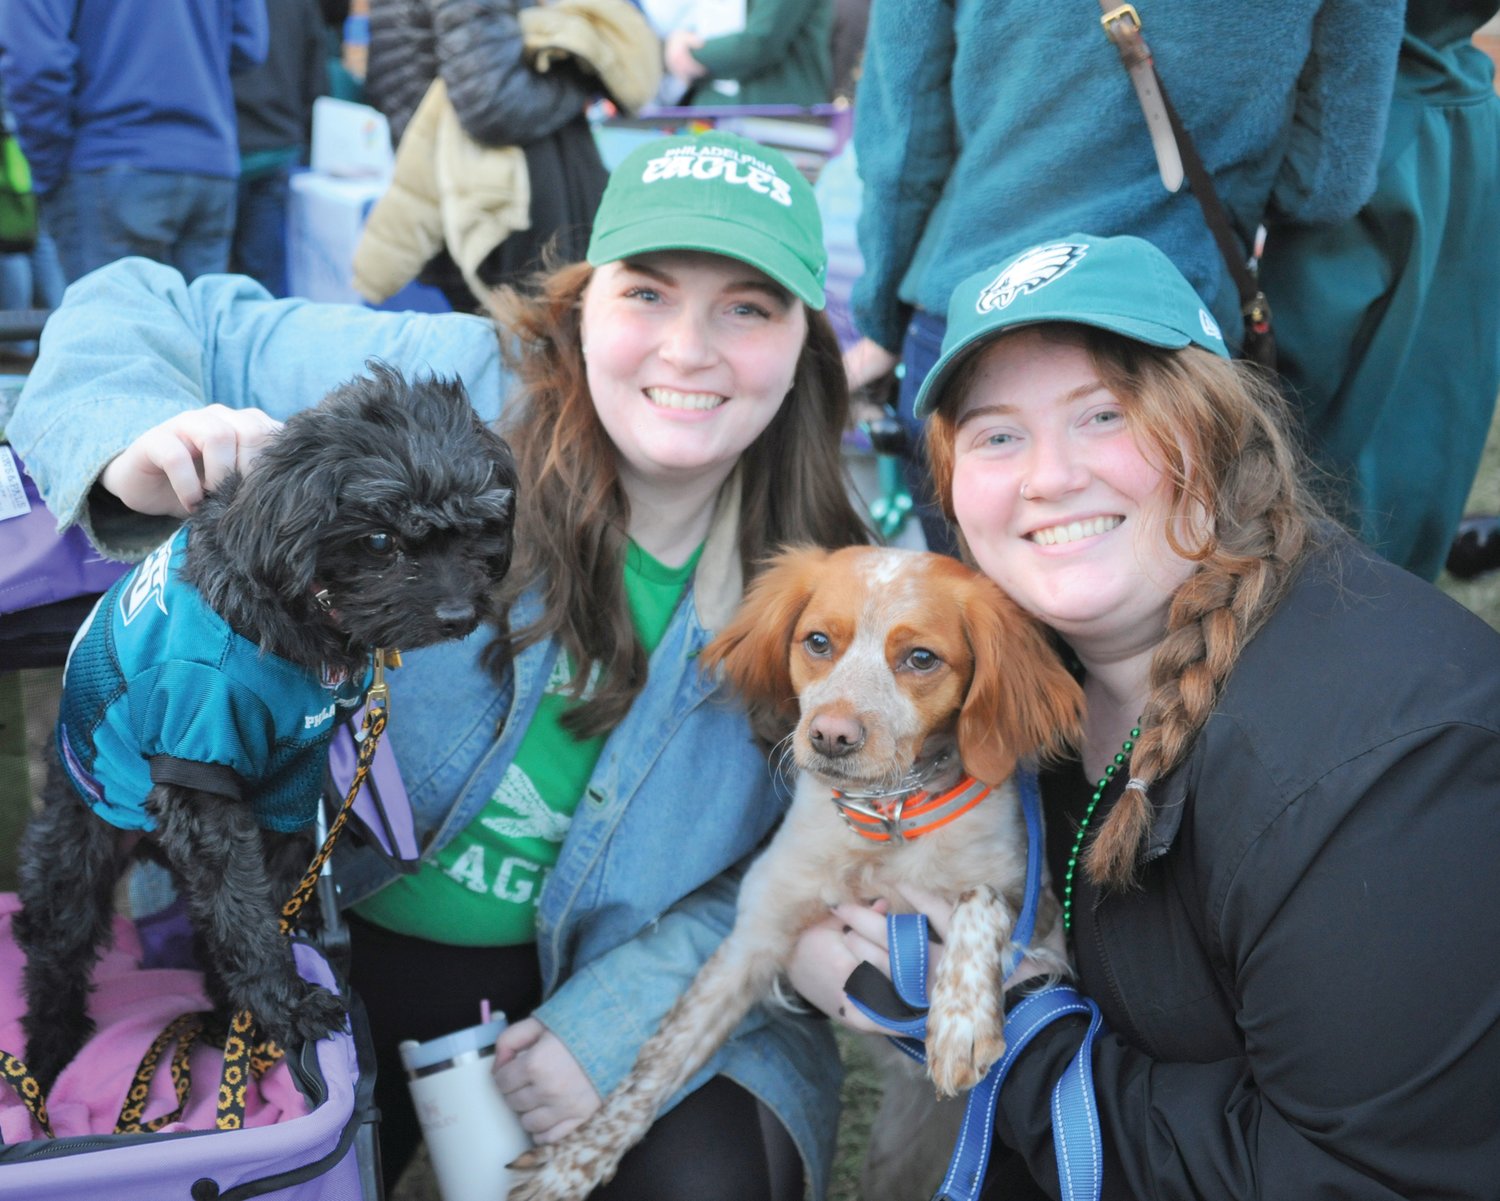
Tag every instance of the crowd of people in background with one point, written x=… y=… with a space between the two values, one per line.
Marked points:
x=190 y=166
x=1246 y=859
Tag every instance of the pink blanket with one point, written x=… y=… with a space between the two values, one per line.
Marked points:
x=130 y=1006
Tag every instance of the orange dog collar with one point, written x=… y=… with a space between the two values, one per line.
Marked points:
x=912 y=814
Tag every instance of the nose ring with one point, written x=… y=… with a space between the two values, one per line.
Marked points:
x=1025 y=495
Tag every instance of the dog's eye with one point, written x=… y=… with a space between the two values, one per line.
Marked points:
x=379 y=543
x=922 y=659
x=817 y=644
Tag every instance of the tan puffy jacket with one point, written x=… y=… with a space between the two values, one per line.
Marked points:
x=449 y=190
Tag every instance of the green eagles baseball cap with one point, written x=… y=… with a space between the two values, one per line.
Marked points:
x=720 y=193
x=1122 y=284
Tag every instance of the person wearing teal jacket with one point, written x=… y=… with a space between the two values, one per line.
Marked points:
x=784 y=55
x=983 y=128
x=1388 y=325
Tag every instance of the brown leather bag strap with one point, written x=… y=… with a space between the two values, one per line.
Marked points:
x=1122 y=25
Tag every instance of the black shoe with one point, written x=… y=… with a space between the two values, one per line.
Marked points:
x=1476 y=546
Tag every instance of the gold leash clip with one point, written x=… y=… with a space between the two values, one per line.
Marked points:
x=379 y=695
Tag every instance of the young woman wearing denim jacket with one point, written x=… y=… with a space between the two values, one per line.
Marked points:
x=716 y=391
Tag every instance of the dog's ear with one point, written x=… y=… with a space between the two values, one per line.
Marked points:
x=754 y=649
x=442 y=404
x=282 y=507
x=1022 y=701
x=497 y=499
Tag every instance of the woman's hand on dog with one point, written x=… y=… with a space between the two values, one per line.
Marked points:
x=853 y=934
x=542 y=1082
x=828 y=951
x=167 y=469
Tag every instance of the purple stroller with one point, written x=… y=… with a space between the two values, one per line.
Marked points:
x=322 y=1148
x=326 y=1155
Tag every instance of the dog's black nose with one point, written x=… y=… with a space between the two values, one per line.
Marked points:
x=835 y=736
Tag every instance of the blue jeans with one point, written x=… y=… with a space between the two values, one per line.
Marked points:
x=259 y=249
x=919 y=351
x=185 y=221
x=31 y=280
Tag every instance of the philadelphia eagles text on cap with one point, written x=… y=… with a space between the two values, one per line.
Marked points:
x=720 y=193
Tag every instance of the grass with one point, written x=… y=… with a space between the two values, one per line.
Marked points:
x=860 y=1097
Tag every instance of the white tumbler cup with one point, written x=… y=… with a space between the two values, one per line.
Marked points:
x=470 y=1132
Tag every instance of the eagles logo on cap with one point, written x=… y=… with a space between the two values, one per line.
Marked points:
x=1122 y=284
x=1035 y=269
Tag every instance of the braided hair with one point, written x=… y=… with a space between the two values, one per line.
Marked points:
x=1240 y=507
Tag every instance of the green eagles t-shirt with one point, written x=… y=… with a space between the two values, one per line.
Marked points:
x=483 y=889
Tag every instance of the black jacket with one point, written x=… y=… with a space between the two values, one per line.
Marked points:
x=1304 y=991
x=477 y=47
x=273 y=101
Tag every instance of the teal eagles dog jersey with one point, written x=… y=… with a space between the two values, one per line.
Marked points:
x=159 y=689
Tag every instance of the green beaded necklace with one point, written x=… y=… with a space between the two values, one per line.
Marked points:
x=1083 y=827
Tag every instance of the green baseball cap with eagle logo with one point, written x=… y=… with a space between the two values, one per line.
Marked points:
x=1122 y=284
x=720 y=193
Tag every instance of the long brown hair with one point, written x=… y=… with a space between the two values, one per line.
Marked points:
x=573 y=516
x=1221 y=433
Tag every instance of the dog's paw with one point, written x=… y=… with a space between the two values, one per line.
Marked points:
x=551 y=1173
x=50 y=1048
x=317 y=1015
x=961 y=1048
x=313 y=1015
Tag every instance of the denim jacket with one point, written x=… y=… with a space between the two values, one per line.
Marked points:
x=645 y=886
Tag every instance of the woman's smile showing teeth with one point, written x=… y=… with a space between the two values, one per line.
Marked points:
x=670 y=398
x=1072 y=531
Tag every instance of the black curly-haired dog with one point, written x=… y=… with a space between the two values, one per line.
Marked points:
x=379 y=518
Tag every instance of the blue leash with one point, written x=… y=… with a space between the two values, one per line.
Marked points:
x=1076 y=1136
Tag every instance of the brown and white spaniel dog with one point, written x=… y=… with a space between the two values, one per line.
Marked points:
x=915 y=686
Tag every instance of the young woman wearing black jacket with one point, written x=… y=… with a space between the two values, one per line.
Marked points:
x=1275 y=847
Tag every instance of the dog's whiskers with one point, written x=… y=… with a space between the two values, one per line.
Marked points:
x=783 y=761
